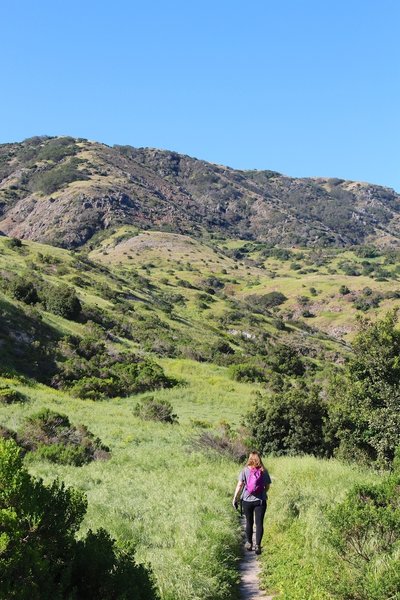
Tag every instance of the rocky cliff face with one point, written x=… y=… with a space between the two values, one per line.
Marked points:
x=64 y=190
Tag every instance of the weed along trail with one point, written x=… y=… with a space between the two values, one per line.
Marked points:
x=249 y=587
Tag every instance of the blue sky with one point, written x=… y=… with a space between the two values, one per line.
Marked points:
x=304 y=87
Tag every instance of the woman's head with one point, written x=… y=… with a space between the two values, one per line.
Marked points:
x=254 y=460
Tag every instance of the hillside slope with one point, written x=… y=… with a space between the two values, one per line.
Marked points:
x=62 y=191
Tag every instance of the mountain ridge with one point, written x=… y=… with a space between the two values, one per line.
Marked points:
x=63 y=190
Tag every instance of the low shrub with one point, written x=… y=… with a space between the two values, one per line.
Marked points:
x=246 y=372
x=40 y=557
x=13 y=243
x=365 y=533
x=286 y=360
x=50 y=435
x=152 y=409
x=62 y=300
x=9 y=396
x=262 y=302
x=227 y=443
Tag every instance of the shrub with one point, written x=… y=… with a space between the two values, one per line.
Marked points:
x=9 y=396
x=151 y=409
x=54 y=179
x=246 y=372
x=365 y=533
x=50 y=435
x=290 y=422
x=365 y=397
x=13 y=243
x=286 y=360
x=24 y=290
x=263 y=302
x=344 y=290
x=63 y=301
x=38 y=522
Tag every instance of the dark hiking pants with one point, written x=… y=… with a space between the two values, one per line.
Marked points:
x=254 y=511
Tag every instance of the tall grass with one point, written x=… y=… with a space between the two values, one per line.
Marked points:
x=171 y=502
x=297 y=561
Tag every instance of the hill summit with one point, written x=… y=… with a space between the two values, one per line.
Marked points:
x=63 y=190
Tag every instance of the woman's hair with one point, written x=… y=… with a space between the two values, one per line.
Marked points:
x=254 y=460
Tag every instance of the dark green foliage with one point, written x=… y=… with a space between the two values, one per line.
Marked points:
x=152 y=409
x=247 y=372
x=57 y=149
x=50 y=435
x=368 y=299
x=266 y=301
x=62 y=300
x=365 y=533
x=350 y=269
x=26 y=343
x=90 y=370
x=286 y=360
x=54 y=179
x=13 y=243
x=9 y=396
x=23 y=289
x=280 y=253
x=366 y=251
x=40 y=558
x=344 y=290
x=289 y=423
x=365 y=399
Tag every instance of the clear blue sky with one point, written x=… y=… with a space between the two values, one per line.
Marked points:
x=304 y=87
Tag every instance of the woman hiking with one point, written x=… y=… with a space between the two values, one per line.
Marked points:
x=252 y=487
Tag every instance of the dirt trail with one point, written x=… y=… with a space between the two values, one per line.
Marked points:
x=249 y=586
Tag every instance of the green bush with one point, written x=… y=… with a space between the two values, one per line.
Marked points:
x=9 y=396
x=152 y=409
x=246 y=372
x=286 y=360
x=344 y=290
x=262 y=302
x=13 y=243
x=90 y=370
x=365 y=397
x=291 y=422
x=40 y=558
x=56 y=178
x=50 y=435
x=23 y=289
x=365 y=533
x=57 y=149
x=63 y=301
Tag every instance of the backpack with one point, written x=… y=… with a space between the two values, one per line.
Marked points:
x=255 y=483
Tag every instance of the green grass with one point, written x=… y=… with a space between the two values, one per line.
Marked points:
x=172 y=502
x=297 y=561
x=187 y=531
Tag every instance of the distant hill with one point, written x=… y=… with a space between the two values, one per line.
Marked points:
x=63 y=190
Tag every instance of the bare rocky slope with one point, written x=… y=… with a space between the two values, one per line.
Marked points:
x=63 y=190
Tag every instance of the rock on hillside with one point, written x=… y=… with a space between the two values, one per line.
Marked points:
x=64 y=190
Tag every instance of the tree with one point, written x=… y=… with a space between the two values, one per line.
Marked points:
x=365 y=398
x=291 y=422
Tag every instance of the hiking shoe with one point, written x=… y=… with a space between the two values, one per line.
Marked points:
x=257 y=549
x=248 y=546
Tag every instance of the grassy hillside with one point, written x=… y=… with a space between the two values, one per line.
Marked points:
x=196 y=309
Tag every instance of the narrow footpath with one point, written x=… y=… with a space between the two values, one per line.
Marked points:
x=249 y=569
